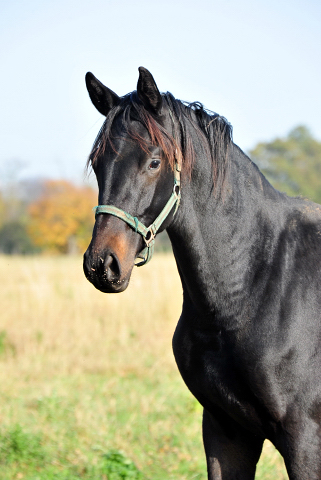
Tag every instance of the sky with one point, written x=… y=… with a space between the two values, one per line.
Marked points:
x=257 y=63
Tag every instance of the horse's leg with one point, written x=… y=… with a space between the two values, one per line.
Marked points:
x=300 y=444
x=231 y=452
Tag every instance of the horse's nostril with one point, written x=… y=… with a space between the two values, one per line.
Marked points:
x=112 y=267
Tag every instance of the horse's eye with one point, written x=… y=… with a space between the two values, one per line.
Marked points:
x=154 y=164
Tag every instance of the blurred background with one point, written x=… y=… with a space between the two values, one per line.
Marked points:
x=254 y=62
x=89 y=387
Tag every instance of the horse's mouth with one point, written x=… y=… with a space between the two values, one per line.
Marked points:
x=107 y=286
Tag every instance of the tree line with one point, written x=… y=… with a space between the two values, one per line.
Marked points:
x=292 y=164
x=56 y=216
x=59 y=220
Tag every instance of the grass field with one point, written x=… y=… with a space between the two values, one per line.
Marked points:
x=89 y=386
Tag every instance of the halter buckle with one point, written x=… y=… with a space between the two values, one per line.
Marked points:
x=150 y=236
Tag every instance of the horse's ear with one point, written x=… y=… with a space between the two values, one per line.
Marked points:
x=102 y=97
x=148 y=92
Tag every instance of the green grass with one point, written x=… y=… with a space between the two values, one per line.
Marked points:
x=73 y=429
x=89 y=388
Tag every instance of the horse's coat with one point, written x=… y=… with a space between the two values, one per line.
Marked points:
x=247 y=343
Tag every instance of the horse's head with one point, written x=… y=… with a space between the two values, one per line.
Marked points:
x=136 y=163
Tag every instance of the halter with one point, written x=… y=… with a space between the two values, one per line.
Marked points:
x=148 y=233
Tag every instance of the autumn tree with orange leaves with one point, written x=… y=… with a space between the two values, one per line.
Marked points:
x=61 y=219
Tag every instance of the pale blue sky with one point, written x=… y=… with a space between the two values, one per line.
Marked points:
x=255 y=62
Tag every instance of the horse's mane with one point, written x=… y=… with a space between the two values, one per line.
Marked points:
x=191 y=123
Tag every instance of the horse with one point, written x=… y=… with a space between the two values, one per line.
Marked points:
x=247 y=343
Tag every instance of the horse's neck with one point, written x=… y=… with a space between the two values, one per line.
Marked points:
x=214 y=239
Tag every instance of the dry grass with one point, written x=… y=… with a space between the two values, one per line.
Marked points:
x=57 y=322
x=93 y=371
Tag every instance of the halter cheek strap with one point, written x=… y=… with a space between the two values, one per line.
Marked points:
x=148 y=233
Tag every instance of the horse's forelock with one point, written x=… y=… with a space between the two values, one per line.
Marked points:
x=212 y=131
x=126 y=112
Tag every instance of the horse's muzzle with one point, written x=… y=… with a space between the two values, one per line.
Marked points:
x=104 y=271
x=110 y=257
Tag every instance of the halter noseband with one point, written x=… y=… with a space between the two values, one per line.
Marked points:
x=148 y=233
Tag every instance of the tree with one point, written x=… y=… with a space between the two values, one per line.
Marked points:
x=292 y=164
x=61 y=220
x=14 y=239
x=2 y=210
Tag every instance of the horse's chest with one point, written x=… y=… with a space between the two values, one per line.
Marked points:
x=202 y=358
x=211 y=370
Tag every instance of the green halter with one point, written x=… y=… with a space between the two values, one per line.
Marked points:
x=148 y=233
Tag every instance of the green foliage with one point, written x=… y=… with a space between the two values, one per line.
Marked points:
x=14 y=239
x=26 y=452
x=19 y=446
x=118 y=467
x=292 y=164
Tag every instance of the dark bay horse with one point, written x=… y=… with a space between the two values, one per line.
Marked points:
x=247 y=343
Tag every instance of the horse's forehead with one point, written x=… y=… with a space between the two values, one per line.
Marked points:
x=129 y=124
x=130 y=134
